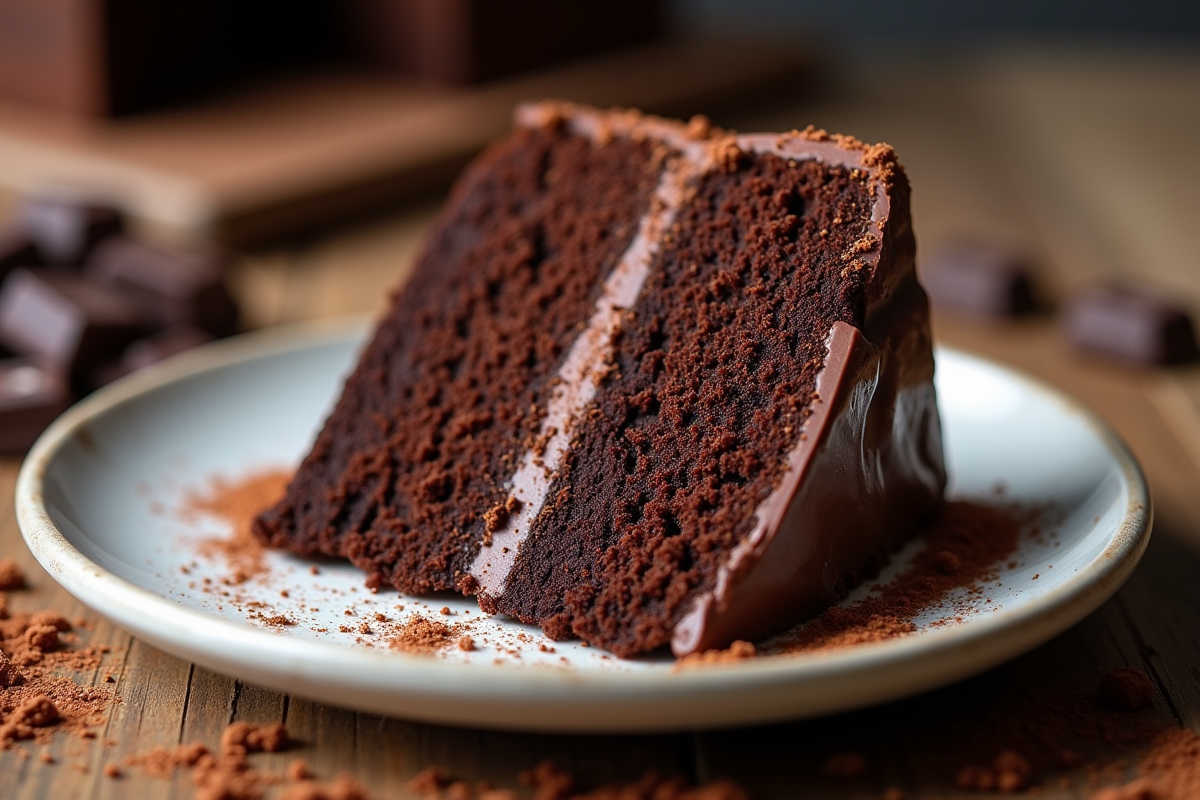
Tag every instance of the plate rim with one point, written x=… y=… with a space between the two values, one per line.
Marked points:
x=958 y=651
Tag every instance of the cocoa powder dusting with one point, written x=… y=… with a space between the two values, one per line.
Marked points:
x=959 y=551
x=1067 y=735
x=229 y=774
x=1168 y=770
x=36 y=700
x=226 y=774
x=547 y=782
x=10 y=575
x=343 y=787
x=237 y=502
x=738 y=651
x=426 y=636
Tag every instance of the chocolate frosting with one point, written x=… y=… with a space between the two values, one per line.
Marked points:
x=868 y=463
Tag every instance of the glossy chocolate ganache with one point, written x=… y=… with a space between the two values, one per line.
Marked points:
x=710 y=415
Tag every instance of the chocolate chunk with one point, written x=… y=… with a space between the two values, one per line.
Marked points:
x=16 y=249
x=1135 y=325
x=64 y=232
x=979 y=279
x=175 y=287
x=32 y=394
x=65 y=319
x=151 y=350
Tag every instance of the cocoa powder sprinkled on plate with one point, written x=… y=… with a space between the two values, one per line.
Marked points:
x=421 y=635
x=237 y=502
x=738 y=651
x=960 y=550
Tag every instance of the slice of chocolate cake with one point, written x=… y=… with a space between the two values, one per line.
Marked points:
x=650 y=384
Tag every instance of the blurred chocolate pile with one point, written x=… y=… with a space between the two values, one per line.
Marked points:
x=1140 y=325
x=115 y=57
x=82 y=303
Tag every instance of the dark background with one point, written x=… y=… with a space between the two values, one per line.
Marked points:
x=941 y=22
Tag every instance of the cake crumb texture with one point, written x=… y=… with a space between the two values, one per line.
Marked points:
x=717 y=363
x=451 y=389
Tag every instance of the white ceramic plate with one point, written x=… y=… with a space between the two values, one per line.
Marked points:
x=95 y=500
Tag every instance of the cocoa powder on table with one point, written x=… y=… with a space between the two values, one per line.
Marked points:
x=547 y=782
x=227 y=774
x=11 y=576
x=1067 y=735
x=36 y=700
x=1168 y=770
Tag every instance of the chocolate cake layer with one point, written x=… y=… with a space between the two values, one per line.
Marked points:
x=412 y=465
x=730 y=418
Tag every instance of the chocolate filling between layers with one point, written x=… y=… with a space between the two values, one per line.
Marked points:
x=712 y=373
x=451 y=390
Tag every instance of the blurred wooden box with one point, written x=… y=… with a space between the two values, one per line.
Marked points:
x=117 y=57
x=113 y=57
x=277 y=157
x=467 y=41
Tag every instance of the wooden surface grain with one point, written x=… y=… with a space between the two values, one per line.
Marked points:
x=1086 y=158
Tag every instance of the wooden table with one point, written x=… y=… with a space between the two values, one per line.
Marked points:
x=1085 y=157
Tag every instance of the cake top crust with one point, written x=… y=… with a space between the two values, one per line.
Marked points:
x=879 y=159
x=709 y=146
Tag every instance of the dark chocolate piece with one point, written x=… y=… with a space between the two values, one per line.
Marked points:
x=174 y=287
x=151 y=350
x=83 y=329
x=63 y=231
x=979 y=279
x=65 y=319
x=1130 y=324
x=32 y=394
